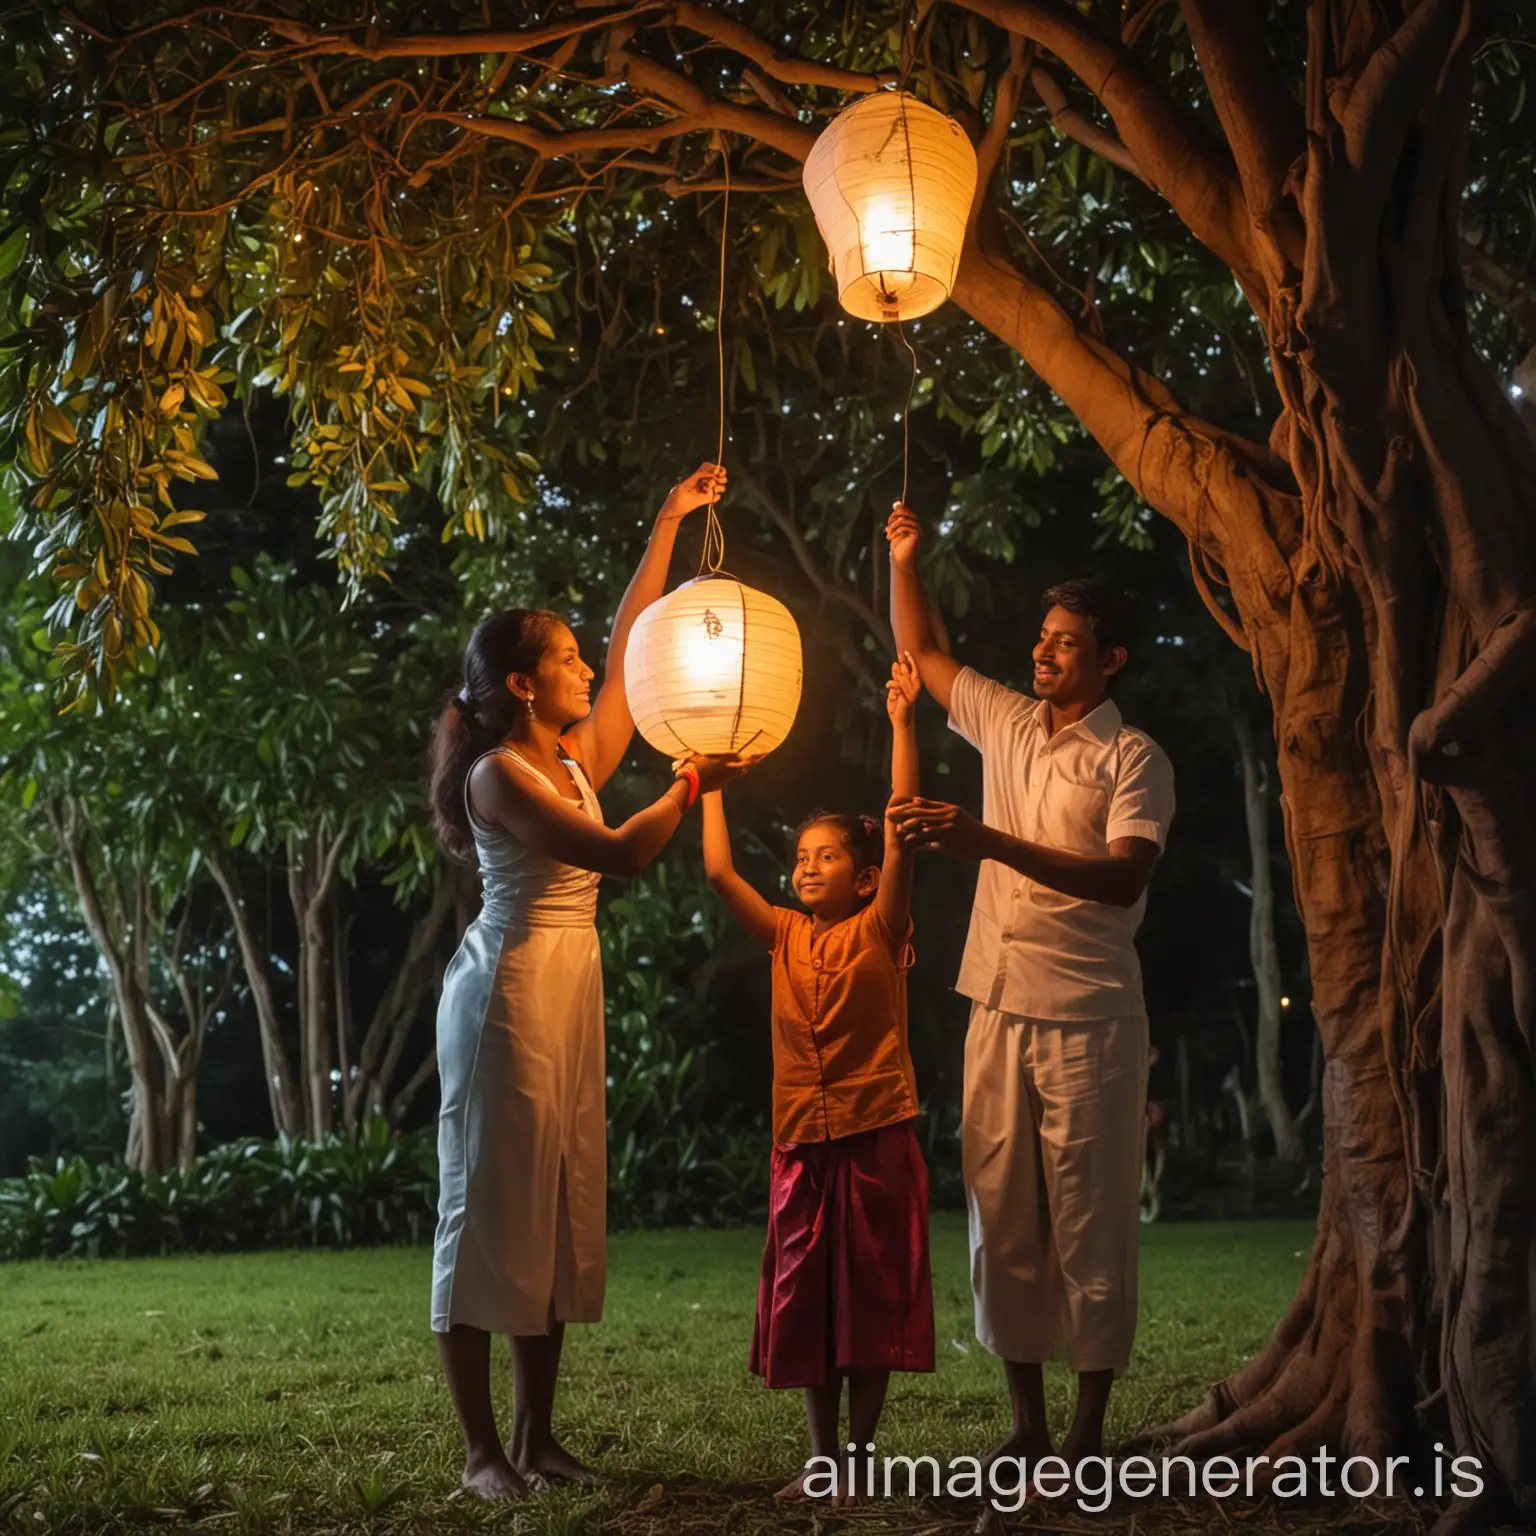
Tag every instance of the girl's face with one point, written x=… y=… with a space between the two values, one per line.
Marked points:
x=825 y=877
x=562 y=686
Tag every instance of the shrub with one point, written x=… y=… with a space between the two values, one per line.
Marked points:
x=372 y=1187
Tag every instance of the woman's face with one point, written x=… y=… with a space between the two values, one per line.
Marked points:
x=562 y=686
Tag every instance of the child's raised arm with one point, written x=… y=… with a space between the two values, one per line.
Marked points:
x=895 y=895
x=742 y=902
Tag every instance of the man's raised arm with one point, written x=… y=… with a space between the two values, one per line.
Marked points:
x=910 y=614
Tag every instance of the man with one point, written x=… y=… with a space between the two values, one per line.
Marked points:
x=1075 y=810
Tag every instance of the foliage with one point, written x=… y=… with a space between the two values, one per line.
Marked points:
x=347 y=1191
x=61 y=1073
x=673 y=1159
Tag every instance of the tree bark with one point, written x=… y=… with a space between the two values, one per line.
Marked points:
x=1263 y=949
x=283 y=1094
x=1398 y=660
x=121 y=942
x=338 y=939
x=415 y=979
x=1386 y=597
x=313 y=862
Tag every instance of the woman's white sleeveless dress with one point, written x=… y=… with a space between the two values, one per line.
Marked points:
x=522 y=1133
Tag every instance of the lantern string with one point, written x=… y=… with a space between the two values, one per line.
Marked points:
x=712 y=555
x=906 y=413
x=908 y=53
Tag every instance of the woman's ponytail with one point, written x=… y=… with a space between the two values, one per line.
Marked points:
x=478 y=716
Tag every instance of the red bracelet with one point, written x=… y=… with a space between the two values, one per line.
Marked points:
x=691 y=775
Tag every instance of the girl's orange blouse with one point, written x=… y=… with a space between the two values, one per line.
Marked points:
x=841 y=1063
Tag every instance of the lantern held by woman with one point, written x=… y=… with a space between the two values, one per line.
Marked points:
x=713 y=666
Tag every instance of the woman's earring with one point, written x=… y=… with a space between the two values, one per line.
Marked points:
x=531 y=715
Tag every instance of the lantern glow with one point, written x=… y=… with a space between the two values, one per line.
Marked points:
x=713 y=666
x=890 y=181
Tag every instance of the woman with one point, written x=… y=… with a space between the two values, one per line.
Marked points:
x=518 y=757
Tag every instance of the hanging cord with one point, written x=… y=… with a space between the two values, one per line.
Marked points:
x=906 y=413
x=908 y=50
x=908 y=57
x=712 y=556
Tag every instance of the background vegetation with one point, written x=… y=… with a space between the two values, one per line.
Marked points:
x=222 y=914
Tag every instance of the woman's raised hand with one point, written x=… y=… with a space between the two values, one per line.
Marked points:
x=705 y=484
x=716 y=770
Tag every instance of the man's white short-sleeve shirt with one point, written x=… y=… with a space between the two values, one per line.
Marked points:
x=1032 y=951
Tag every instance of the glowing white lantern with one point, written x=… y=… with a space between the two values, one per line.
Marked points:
x=891 y=181
x=714 y=666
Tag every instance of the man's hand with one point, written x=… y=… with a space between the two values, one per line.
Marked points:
x=901 y=691
x=706 y=483
x=904 y=534
x=943 y=828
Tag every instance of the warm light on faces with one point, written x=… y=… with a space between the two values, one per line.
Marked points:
x=562 y=687
x=825 y=877
x=1069 y=666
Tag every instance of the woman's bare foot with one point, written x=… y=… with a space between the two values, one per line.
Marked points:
x=547 y=1461
x=492 y=1476
x=793 y=1492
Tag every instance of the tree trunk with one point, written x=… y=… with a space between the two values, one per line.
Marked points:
x=1398 y=659
x=282 y=1082
x=1263 y=950
x=1191 y=1135
x=1388 y=602
x=417 y=976
x=122 y=942
x=313 y=861
x=338 y=939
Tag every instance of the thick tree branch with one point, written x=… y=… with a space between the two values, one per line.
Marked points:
x=1393 y=88
x=443 y=45
x=1136 y=19
x=774 y=62
x=681 y=186
x=1228 y=496
x=1005 y=103
x=391 y=1023
x=1071 y=124
x=1515 y=297
x=1263 y=125
x=1459 y=718
x=677 y=90
x=769 y=94
x=1196 y=175
x=578 y=141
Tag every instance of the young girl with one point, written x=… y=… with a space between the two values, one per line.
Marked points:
x=845 y=1290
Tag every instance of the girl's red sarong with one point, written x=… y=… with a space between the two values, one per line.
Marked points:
x=845 y=1283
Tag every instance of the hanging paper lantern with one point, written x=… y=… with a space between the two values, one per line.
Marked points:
x=890 y=181
x=714 y=666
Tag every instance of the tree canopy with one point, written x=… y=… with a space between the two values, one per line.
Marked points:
x=460 y=252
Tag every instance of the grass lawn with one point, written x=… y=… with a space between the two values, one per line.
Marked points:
x=300 y=1391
